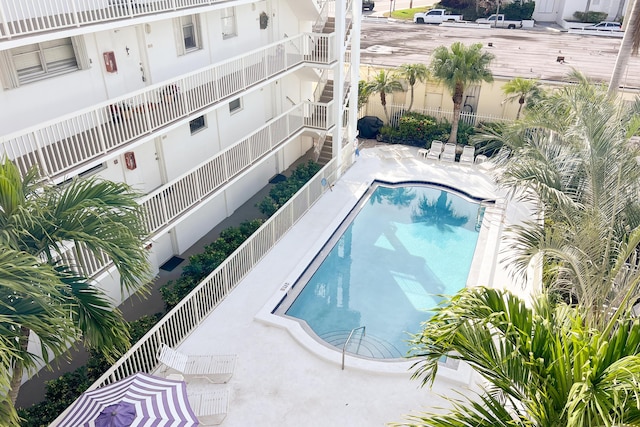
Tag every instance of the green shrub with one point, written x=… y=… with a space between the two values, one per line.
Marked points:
x=464 y=132
x=281 y=192
x=518 y=10
x=590 y=17
x=202 y=264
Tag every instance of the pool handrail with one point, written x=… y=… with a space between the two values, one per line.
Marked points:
x=344 y=347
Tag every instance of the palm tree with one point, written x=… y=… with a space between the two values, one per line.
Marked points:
x=413 y=73
x=384 y=83
x=520 y=89
x=457 y=68
x=629 y=46
x=541 y=363
x=28 y=294
x=571 y=155
x=40 y=220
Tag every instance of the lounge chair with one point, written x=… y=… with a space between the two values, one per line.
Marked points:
x=211 y=407
x=215 y=368
x=468 y=155
x=435 y=150
x=449 y=153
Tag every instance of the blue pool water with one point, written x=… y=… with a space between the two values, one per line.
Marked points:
x=405 y=246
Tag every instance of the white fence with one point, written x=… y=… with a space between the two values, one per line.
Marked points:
x=395 y=111
x=63 y=144
x=191 y=311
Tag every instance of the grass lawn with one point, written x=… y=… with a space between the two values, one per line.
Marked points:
x=407 y=14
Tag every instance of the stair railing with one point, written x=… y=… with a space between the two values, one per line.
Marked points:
x=322 y=17
x=344 y=347
x=317 y=149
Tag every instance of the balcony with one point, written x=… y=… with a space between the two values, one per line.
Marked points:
x=58 y=147
x=23 y=18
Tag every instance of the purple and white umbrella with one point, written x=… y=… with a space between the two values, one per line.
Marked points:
x=139 y=400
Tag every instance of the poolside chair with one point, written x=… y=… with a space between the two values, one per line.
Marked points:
x=211 y=407
x=449 y=153
x=468 y=155
x=435 y=150
x=215 y=368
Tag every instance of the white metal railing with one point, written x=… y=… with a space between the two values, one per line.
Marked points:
x=61 y=145
x=176 y=197
x=180 y=195
x=25 y=17
x=189 y=313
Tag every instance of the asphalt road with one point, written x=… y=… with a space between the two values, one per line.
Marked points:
x=529 y=53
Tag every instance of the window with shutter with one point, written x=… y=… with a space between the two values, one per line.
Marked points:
x=229 y=22
x=41 y=60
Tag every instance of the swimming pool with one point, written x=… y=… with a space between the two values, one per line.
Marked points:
x=398 y=250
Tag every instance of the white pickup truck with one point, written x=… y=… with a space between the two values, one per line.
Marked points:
x=435 y=16
x=498 y=21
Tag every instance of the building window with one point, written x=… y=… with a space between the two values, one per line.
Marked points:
x=197 y=124
x=39 y=61
x=229 y=22
x=235 y=105
x=188 y=37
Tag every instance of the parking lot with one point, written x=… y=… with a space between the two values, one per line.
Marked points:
x=531 y=53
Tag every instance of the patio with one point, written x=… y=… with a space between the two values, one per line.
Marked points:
x=286 y=378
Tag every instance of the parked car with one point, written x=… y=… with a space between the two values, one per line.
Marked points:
x=499 y=21
x=435 y=16
x=605 y=26
x=368 y=5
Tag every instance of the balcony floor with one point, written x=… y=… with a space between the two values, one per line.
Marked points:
x=280 y=379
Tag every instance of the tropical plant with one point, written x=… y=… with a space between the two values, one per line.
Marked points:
x=629 y=47
x=41 y=220
x=521 y=90
x=363 y=93
x=202 y=264
x=542 y=364
x=413 y=73
x=28 y=292
x=384 y=83
x=458 y=67
x=571 y=155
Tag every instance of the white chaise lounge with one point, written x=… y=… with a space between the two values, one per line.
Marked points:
x=215 y=368
x=435 y=150
x=468 y=155
x=449 y=153
x=211 y=408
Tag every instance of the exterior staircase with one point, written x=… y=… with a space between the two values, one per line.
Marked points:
x=325 y=152
x=366 y=346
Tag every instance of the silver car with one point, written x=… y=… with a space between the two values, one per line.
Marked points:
x=605 y=26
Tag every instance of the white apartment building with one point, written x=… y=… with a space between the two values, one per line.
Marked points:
x=196 y=103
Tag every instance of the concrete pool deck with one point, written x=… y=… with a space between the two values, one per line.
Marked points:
x=286 y=379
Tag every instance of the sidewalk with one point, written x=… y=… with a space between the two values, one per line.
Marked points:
x=33 y=391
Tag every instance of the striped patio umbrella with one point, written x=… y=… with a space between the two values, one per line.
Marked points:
x=138 y=400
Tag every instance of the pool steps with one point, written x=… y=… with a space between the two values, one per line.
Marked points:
x=366 y=346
